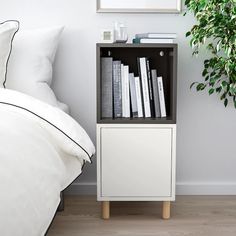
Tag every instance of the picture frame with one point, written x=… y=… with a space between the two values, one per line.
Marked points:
x=139 y=6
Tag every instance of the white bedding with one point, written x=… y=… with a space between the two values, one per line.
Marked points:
x=42 y=151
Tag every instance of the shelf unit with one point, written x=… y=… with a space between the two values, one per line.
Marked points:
x=136 y=156
x=166 y=66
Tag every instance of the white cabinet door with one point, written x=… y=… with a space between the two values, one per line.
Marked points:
x=135 y=162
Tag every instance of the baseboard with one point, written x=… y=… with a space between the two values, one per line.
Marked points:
x=181 y=189
x=206 y=188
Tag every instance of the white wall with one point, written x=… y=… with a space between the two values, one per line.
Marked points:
x=206 y=158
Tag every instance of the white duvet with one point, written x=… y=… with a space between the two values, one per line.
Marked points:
x=42 y=150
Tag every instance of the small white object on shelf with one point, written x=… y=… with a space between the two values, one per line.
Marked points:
x=107 y=36
x=121 y=35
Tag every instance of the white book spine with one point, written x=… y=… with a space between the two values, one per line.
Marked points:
x=150 y=40
x=123 y=90
x=139 y=98
x=144 y=79
x=162 y=35
x=127 y=91
x=161 y=96
x=157 y=35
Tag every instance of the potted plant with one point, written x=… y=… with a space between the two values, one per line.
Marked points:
x=216 y=32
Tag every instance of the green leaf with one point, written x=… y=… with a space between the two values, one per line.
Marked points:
x=207 y=78
x=226 y=102
x=211 y=91
x=205 y=72
x=188 y=34
x=187 y=2
x=224 y=84
x=218 y=90
x=223 y=96
x=200 y=86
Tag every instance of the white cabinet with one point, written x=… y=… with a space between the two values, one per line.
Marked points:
x=136 y=155
x=136 y=162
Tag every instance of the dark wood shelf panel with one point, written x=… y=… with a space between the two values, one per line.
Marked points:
x=137 y=45
x=164 y=120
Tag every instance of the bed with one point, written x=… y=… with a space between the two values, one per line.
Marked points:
x=42 y=151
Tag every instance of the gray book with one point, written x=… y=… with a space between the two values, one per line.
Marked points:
x=161 y=96
x=117 y=94
x=134 y=105
x=106 y=67
x=157 y=35
x=155 y=94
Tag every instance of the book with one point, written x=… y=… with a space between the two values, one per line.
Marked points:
x=127 y=92
x=106 y=84
x=133 y=95
x=138 y=96
x=161 y=96
x=150 y=88
x=144 y=86
x=157 y=35
x=123 y=90
x=152 y=40
x=155 y=94
x=117 y=99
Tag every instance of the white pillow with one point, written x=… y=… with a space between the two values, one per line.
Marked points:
x=8 y=30
x=31 y=63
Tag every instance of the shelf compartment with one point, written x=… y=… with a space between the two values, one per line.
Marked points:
x=163 y=57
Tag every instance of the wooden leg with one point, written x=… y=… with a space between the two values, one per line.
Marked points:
x=106 y=210
x=166 y=210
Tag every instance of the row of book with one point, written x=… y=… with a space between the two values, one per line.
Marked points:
x=125 y=95
x=155 y=38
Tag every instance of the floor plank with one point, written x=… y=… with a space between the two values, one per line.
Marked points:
x=190 y=216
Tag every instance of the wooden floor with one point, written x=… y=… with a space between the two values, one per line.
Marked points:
x=191 y=216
